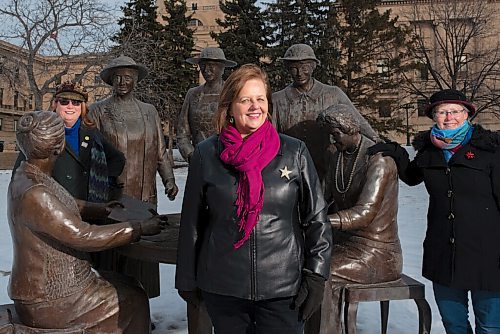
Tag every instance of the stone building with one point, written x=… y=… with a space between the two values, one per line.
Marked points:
x=15 y=95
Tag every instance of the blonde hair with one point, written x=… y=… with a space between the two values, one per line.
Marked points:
x=232 y=88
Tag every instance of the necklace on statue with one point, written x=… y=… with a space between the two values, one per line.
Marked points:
x=343 y=188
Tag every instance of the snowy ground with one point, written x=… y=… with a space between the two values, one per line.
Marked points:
x=168 y=310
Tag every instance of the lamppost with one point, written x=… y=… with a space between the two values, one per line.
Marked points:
x=407 y=107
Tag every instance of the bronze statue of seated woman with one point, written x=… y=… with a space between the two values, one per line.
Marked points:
x=52 y=284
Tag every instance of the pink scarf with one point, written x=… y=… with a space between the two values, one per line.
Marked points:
x=249 y=157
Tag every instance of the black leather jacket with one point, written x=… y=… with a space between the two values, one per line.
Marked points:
x=293 y=232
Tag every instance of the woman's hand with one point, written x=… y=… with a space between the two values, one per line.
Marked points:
x=310 y=294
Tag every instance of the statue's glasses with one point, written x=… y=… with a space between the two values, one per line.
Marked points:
x=65 y=102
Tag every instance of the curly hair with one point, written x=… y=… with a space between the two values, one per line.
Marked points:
x=340 y=116
x=40 y=134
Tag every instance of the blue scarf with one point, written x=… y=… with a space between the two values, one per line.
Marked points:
x=450 y=140
x=72 y=137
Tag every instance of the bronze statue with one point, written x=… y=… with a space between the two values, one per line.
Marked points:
x=52 y=284
x=134 y=128
x=296 y=107
x=195 y=121
x=363 y=190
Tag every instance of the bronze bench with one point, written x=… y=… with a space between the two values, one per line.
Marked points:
x=405 y=288
x=10 y=324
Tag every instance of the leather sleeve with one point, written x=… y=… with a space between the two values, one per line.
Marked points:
x=317 y=230
x=380 y=173
x=193 y=208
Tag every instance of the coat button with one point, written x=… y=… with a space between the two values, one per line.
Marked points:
x=452 y=240
x=451 y=216
x=447 y=171
x=69 y=177
x=450 y=193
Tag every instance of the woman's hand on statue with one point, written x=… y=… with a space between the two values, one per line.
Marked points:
x=171 y=189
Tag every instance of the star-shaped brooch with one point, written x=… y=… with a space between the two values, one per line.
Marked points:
x=285 y=172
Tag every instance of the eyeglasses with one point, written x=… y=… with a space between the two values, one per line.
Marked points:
x=65 y=102
x=444 y=113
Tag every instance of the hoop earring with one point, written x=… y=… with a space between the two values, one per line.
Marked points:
x=231 y=120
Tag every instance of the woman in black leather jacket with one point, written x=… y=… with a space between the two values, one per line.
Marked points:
x=254 y=236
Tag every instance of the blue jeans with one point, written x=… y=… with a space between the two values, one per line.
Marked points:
x=453 y=306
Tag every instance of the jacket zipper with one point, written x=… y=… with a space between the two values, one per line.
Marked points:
x=253 y=266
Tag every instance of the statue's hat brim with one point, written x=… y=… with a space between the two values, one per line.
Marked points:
x=122 y=62
x=213 y=54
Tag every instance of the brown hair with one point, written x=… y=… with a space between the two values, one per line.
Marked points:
x=232 y=88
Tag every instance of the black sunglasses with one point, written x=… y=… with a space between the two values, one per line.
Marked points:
x=65 y=102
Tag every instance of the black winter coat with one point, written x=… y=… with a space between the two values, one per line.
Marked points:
x=462 y=243
x=293 y=232
x=72 y=171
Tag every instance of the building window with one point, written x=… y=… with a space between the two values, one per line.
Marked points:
x=15 y=125
x=194 y=6
x=30 y=102
x=384 y=108
x=462 y=65
x=195 y=23
x=1 y=122
x=97 y=79
x=383 y=67
x=421 y=106
x=16 y=99
x=1 y=97
x=423 y=70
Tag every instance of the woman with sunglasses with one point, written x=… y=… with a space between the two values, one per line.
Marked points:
x=89 y=165
x=459 y=164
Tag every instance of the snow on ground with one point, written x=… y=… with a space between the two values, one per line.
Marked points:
x=168 y=310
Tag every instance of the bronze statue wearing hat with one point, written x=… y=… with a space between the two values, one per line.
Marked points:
x=134 y=127
x=363 y=190
x=296 y=107
x=52 y=284
x=195 y=121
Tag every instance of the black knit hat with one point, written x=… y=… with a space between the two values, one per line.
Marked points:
x=449 y=96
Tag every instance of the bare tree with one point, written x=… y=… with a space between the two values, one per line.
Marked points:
x=457 y=44
x=55 y=33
